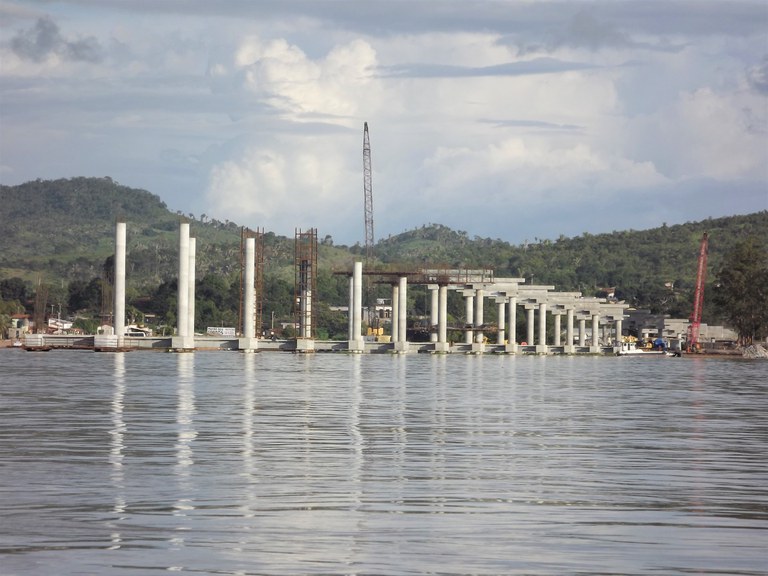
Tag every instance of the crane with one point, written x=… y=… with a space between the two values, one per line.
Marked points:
x=698 y=295
x=368 y=191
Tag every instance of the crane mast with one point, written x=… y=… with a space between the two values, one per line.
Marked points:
x=368 y=191
x=698 y=295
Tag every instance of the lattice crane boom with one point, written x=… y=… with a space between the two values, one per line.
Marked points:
x=698 y=295
x=368 y=191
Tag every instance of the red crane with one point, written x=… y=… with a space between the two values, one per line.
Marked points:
x=698 y=296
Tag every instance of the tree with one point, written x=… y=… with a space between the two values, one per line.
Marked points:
x=741 y=290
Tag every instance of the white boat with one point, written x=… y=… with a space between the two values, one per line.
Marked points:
x=631 y=349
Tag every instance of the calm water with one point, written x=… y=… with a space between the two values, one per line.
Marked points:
x=271 y=463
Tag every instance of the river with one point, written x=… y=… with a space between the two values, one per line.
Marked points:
x=274 y=463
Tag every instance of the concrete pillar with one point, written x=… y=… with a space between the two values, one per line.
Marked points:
x=249 y=296
x=619 y=330
x=395 y=312
x=434 y=312
x=479 y=315
x=351 y=309
x=513 y=323
x=582 y=332
x=191 y=287
x=500 y=311
x=569 y=328
x=469 y=310
x=182 y=316
x=529 y=325
x=557 y=329
x=402 y=316
x=595 y=328
x=542 y=343
x=442 y=317
x=357 y=327
x=119 y=306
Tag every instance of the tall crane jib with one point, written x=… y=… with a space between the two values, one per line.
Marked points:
x=698 y=296
x=368 y=192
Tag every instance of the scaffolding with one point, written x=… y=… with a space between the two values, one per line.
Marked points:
x=305 y=267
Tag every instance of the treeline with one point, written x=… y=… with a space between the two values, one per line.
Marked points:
x=59 y=238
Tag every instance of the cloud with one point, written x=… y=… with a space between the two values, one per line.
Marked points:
x=757 y=76
x=45 y=40
x=522 y=68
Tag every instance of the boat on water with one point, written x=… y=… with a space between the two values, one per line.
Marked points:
x=630 y=348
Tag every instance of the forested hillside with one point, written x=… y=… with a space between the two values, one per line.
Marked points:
x=61 y=234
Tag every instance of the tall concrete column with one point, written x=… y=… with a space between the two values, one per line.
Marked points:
x=395 y=312
x=119 y=307
x=469 y=310
x=351 y=309
x=182 y=316
x=569 y=328
x=249 y=297
x=402 y=316
x=595 y=328
x=479 y=303
x=442 y=317
x=529 y=325
x=191 y=287
x=582 y=332
x=434 y=312
x=619 y=330
x=357 y=326
x=500 y=311
x=513 y=323
x=542 y=324
x=557 y=329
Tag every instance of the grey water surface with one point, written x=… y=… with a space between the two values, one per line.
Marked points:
x=273 y=463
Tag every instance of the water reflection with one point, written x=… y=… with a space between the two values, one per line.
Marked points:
x=117 y=447
x=186 y=434
x=320 y=464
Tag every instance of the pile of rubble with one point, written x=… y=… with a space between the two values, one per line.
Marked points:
x=755 y=351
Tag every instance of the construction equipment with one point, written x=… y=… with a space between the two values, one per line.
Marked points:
x=368 y=192
x=692 y=340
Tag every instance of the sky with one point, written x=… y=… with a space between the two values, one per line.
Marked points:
x=517 y=120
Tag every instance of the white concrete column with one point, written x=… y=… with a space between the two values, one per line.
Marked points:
x=582 y=332
x=619 y=330
x=469 y=309
x=442 y=317
x=557 y=329
x=434 y=311
x=542 y=324
x=402 y=316
x=479 y=315
x=357 y=326
x=119 y=305
x=569 y=328
x=350 y=310
x=395 y=312
x=501 y=332
x=249 y=296
x=513 y=322
x=182 y=316
x=191 y=287
x=529 y=325
x=595 y=328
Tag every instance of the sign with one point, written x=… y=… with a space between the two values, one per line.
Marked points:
x=220 y=331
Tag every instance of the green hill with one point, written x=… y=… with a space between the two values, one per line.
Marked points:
x=61 y=233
